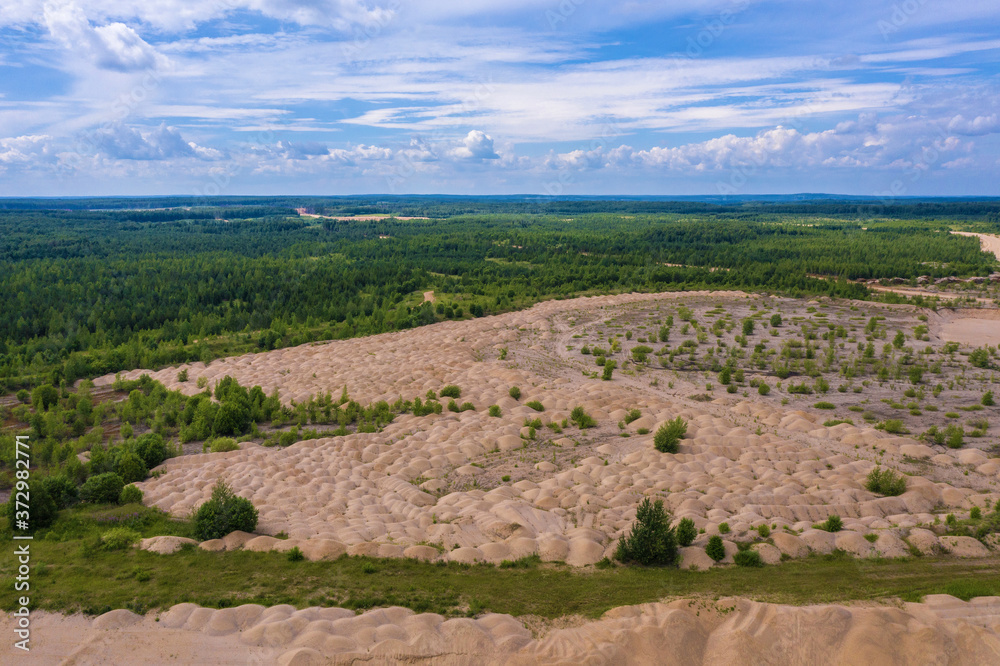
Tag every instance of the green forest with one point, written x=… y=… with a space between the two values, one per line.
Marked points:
x=99 y=286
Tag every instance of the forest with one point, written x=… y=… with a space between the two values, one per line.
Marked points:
x=99 y=286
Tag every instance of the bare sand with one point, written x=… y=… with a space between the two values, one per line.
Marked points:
x=942 y=630
x=990 y=243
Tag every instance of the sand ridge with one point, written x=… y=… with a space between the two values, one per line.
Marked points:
x=942 y=630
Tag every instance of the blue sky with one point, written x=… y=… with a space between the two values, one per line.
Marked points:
x=104 y=97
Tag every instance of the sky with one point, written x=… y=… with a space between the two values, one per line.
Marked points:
x=551 y=97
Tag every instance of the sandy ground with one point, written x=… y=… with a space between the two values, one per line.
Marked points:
x=990 y=243
x=975 y=332
x=470 y=487
x=428 y=297
x=942 y=630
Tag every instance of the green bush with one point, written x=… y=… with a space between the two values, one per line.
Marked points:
x=980 y=358
x=582 y=419
x=514 y=392
x=686 y=532
x=748 y=558
x=151 y=448
x=231 y=419
x=609 y=368
x=651 y=541
x=224 y=513
x=102 y=489
x=763 y=388
x=130 y=495
x=295 y=554
x=451 y=391
x=825 y=405
x=764 y=531
x=988 y=400
x=954 y=435
x=42 y=509
x=715 y=548
x=668 y=436
x=632 y=415
x=776 y=320
x=224 y=444
x=495 y=410
x=119 y=538
x=724 y=528
x=62 y=490
x=885 y=482
x=535 y=405
x=130 y=467
x=832 y=524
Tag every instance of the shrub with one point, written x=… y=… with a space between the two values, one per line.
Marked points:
x=119 y=538
x=42 y=509
x=748 y=327
x=224 y=444
x=980 y=358
x=975 y=513
x=885 y=482
x=295 y=554
x=102 y=489
x=916 y=375
x=609 y=367
x=764 y=531
x=44 y=397
x=894 y=426
x=130 y=495
x=231 y=419
x=151 y=448
x=832 y=524
x=776 y=320
x=724 y=528
x=763 y=388
x=954 y=436
x=535 y=405
x=652 y=541
x=451 y=391
x=988 y=399
x=686 y=532
x=825 y=405
x=495 y=410
x=453 y=406
x=130 y=468
x=633 y=414
x=62 y=490
x=715 y=548
x=514 y=392
x=224 y=513
x=182 y=376
x=748 y=558
x=668 y=436
x=582 y=419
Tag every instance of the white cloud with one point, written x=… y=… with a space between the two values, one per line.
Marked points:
x=114 y=46
x=25 y=149
x=477 y=145
x=978 y=126
x=121 y=142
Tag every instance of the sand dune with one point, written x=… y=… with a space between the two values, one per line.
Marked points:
x=943 y=630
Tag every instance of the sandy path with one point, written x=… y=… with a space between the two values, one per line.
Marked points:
x=428 y=297
x=692 y=632
x=990 y=243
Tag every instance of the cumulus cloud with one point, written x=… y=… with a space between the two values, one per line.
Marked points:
x=978 y=126
x=114 y=46
x=25 y=149
x=477 y=145
x=120 y=142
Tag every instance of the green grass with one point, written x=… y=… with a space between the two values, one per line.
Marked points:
x=73 y=574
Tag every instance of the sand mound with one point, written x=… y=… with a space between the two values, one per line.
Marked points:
x=941 y=630
x=479 y=489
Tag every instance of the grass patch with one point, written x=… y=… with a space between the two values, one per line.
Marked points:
x=93 y=580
